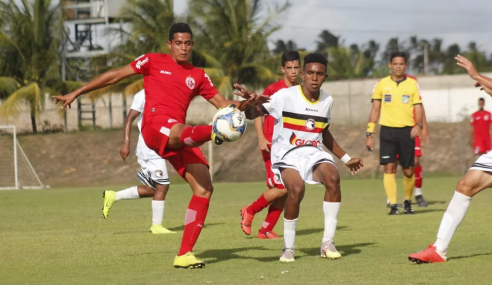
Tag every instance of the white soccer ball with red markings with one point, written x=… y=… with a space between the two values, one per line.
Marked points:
x=229 y=124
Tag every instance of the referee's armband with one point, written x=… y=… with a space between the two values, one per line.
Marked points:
x=371 y=127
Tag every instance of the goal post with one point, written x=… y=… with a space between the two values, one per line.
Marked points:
x=16 y=171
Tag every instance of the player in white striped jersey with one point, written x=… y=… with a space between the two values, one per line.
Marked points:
x=302 y=117
x=153 y=171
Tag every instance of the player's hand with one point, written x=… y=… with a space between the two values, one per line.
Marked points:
x=263 y=144
x=415 y=132
x=125 y=151
x=66 y=99
x=369 y=143
x=467 y=65
x=243 y=92
x=356 y=165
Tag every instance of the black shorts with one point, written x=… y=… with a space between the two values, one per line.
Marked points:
x=397 y=141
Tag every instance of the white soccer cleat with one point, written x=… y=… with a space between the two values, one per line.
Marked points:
x=287 y=255
x=328 y=250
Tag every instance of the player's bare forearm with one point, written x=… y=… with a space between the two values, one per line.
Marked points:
x=484 y=81
x=331 y=144
x=253 y=113
x=375 y=110
x=258 y=121
x=108 y=78
x=127 y=130
x=419 y=114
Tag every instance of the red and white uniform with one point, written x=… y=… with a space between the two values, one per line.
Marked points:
x=481 y=120
x=169 y=89
x=268 y=132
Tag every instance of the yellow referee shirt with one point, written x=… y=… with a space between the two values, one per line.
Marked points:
x=397 y=101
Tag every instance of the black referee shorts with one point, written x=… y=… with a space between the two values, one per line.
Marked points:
x=397 y=141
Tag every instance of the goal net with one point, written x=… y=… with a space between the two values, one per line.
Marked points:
x=16 y=172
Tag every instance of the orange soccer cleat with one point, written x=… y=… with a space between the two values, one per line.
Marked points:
x=246 y=220
x=268 y=235
x=429 y=255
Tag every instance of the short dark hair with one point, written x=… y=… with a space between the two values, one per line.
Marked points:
x=290 y=56
x=179 y=28
x=398 y=54
x=481 y=99
x=317 y=58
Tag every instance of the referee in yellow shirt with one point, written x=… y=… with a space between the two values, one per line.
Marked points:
x=397 y=99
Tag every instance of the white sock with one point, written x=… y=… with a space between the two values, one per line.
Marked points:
x=289 y=233
x=417 y=191
x=387 y=200
x=451 y=220
x=129 y=193
x=330 y=209
x=157 y=212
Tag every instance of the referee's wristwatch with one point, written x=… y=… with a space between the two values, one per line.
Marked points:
x=368 y=134
x=420 y=125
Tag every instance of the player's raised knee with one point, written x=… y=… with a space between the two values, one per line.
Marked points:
x=465 y=186
x=296 y=191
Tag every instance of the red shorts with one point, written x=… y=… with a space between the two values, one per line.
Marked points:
x=481 y=146
x=271 y=181
x=156 y=132
x=418 y=150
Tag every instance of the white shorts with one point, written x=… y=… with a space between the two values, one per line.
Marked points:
x=302 y=159
x=155 y=169
x=483 y=163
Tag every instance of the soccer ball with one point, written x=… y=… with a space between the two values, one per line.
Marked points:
x=229 y=124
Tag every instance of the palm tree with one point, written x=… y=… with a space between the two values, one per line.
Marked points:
x=281 y=46
x=231 y=41
x=326 y=40
x=345 y=63
x=29 y=47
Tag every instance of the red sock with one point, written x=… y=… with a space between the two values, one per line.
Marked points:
x=258 y=205
x=271 y=219
x=195 y=136
x=194 y=221
x=418 y=176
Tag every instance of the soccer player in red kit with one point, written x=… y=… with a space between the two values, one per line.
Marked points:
x=170 y=84
x=276 y=194
x=480 y=129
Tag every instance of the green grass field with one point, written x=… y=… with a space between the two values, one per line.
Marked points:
x=58 y=236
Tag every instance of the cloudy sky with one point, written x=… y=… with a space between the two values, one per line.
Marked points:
x=357 y=21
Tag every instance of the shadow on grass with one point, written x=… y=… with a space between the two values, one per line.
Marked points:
x=417 y=212
x=469 y=256
x=219 y=255
x=316 y=230
x=435 y=202
x=180 y=228
x=345 y=250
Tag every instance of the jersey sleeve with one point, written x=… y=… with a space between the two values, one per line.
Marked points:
x=416 y=98
x=206 y=88
x=275 y=106
x=141 y=65
x=377 y=93
x=138 y=101
x=268 y=91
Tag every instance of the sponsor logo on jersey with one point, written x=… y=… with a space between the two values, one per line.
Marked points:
x=311 y=110
x=140 y=63
x=166 y=72
x=387 y=98
x=405 y=99
x=298 y=142
x=310 y=124
x=172 y=121
x=190 y=82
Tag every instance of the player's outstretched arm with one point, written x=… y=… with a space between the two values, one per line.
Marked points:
x=127 y=130
x=483 y=81
x=355 y=164
x=103 y=80
x=371 y=125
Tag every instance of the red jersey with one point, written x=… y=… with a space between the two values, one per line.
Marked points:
x=169 y=86
x=269 y=120
x=481 y=120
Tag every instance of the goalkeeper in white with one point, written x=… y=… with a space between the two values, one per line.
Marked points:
x=153 y=172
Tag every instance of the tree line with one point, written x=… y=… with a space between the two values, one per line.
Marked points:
x=231 y=44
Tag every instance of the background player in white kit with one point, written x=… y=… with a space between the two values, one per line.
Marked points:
x=302 y=117
x=154 y=172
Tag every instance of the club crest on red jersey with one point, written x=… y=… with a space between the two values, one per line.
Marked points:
x=190 y=82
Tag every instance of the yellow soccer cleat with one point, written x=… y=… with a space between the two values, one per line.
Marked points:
x=216 y=139
x=287 y=255
x=188 y=261
x=159 y=230
x=328 y=250
x=109 y=199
